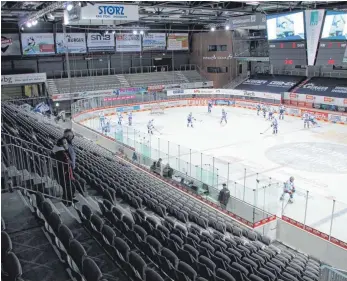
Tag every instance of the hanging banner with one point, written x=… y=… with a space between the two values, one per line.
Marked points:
x=37 y=43
x=177 y=41
x=110 y=12
x=10 y=45
x=128 y=43
x=98 y=43
x=313 y=22
x=73 y=43
x=18 y=79
x=154 y=41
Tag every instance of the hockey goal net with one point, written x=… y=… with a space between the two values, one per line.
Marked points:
x=157 y=109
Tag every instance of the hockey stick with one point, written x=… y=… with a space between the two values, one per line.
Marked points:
x=265 y=131
x=157 y=130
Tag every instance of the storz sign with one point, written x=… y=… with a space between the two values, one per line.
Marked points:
x=110 y=12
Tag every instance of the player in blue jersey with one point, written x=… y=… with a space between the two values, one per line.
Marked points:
x=130 y=118
x=282 y=110
x=258 y=108
x=312 y=119
x=274 y=125
x=190 y=119
x=271 y=113
x=102 y=119
x=264 y=110
x=209 y=106
x=224 y=117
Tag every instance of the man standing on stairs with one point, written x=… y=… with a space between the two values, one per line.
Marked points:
x=69 y=136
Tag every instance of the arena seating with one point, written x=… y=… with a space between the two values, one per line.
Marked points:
x=149 y=229
x=121 y=81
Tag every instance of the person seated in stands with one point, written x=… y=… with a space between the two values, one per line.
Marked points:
x=167 y=171
x=159 y=163
x=153 y=166
x=64 y=169
x=224 y=196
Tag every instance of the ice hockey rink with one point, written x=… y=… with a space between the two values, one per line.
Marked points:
x=316 y=157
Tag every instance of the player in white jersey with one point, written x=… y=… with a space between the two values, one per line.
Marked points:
x=282 y=110
x=306 y=118
x=274 y=125
x=224 y=117
x=120 y=118
x=107 y=127
x=190 y=119
x=209 y=106
x=150 y=126
x=288 y=188
x=102 y=119
x=130 y=118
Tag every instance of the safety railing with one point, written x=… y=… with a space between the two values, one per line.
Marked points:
x=35 y=172
x=329 y=273
x=311 y=211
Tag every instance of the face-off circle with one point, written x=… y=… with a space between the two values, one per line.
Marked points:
x=310 y=156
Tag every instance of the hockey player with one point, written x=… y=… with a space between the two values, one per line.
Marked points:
x=120 y=118
x=264 y=110
x=130 y=118
x=306 y=118
x=190 y=119
x=209 y=106
x=282 y=110
x=288 y=188
x=102 y=119
x=312 y=119
x=271 y=112
x=224 y=117
x=274 y=125
x=107 y=127
x=150 y=126
x=258 y=108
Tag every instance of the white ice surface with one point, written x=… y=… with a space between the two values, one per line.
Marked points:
x=316 y=157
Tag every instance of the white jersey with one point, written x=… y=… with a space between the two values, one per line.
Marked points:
x=306 y=116
x=150 y=124
x=289 y=186
x=274 y=123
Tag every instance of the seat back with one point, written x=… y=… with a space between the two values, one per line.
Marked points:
x=90 y=270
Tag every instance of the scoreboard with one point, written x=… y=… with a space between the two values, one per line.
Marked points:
x=331 y=52
x=287 y=53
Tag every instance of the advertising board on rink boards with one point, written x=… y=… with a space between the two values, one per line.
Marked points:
x=315 y=99
x=242 y=93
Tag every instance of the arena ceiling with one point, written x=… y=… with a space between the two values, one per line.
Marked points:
x=193 y=14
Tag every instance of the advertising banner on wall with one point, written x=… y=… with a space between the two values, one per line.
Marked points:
x=28 y=78
x=328 y=87
x=98 y=43
x=37 y=43
x=257 y=20
x=315 y=99
x=129 y=91
x=74 y=43
x=313 y=22
x=10 y=45
x=128 y=43
x=110 y=12
x=177 y=41
x=154 y=41
x=231 y=92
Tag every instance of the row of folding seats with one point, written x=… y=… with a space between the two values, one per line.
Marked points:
x=71 y=251
x=136 y=266
x=11 y=269
x=202 y=221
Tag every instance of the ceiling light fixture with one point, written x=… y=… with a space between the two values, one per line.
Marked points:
x=134 y=32
x=106 y=32
x=113 y=32
x=29 y=24
x=227 y=27
x=34 y=22
x=141 y=32
x=253 y=3
x=213 y=29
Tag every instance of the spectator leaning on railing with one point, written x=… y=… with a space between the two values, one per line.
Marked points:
x=69 y=136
